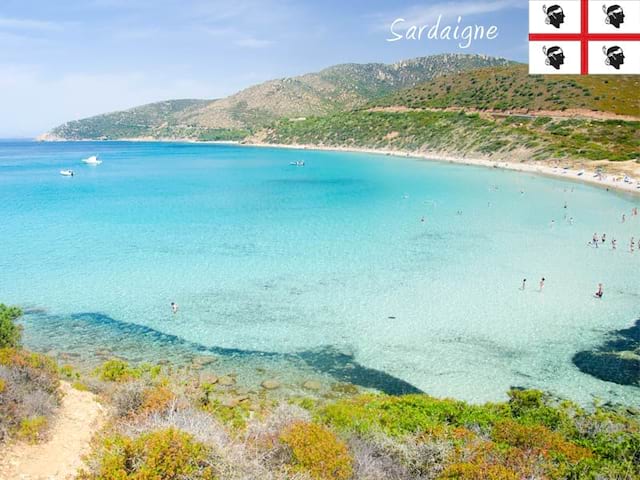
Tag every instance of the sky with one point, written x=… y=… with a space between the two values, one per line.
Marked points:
x=68 y=59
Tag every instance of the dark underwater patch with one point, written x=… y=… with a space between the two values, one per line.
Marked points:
x=617 y=360
x=126 y=340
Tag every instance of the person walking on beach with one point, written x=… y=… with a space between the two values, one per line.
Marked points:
x=541 y=284
x=174 y=307
x=600 y=291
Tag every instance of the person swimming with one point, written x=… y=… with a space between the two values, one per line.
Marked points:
x=600 y=291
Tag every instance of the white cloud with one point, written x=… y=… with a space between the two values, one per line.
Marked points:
x=238 y=37
x=251 y=42
x=28 y=24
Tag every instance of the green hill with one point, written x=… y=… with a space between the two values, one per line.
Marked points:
x=509 y=88
x=334 y=89
x=155 y=120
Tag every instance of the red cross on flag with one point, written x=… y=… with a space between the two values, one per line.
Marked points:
x=584 y=37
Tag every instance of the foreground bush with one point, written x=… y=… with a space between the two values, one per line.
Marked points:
x=9 y=332
x=531 y=436
x=160 y=455
x=316 y=450
x=28 y=393
x=116 y=370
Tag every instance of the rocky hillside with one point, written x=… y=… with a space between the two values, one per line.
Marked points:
x=338 y=88
x=511 y=88
x=497 y=112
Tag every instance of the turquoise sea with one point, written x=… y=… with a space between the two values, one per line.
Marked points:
x=323 y=271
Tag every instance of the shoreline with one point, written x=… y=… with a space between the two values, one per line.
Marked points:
x=588 y=177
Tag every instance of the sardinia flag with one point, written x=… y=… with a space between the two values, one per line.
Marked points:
x=584 y=37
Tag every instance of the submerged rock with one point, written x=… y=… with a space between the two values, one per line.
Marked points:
x=312 y=385
x=209 y=378
x=226 y=380
x=270 y=384
x=617 y=360
x=203 y=360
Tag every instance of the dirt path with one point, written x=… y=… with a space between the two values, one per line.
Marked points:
x=59 y=458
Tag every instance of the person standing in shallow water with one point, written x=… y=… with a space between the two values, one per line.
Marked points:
x=541 y=284
x=524 y=284
x=600 y=291
x=174 y=307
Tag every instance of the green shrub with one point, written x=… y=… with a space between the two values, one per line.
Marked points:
x=538 y=438
x=10 y=333
x=397 y=416
x=31 y=429
x=116 y=370
x=318 y=452
x=159 y=455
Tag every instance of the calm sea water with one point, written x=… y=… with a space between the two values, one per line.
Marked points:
x=326 y=269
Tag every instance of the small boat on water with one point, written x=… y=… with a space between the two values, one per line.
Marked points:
x=92 y=160
x=66 y=173
x=299 y=163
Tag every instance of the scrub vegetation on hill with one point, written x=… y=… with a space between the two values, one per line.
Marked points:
x=509 y=88
x=170 y=425
x=463 y=133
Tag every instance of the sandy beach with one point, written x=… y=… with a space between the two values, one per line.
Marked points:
x=607 y=180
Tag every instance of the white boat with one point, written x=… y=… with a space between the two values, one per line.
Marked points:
x=299 y=163
x=66 y=173
x=92 y=160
